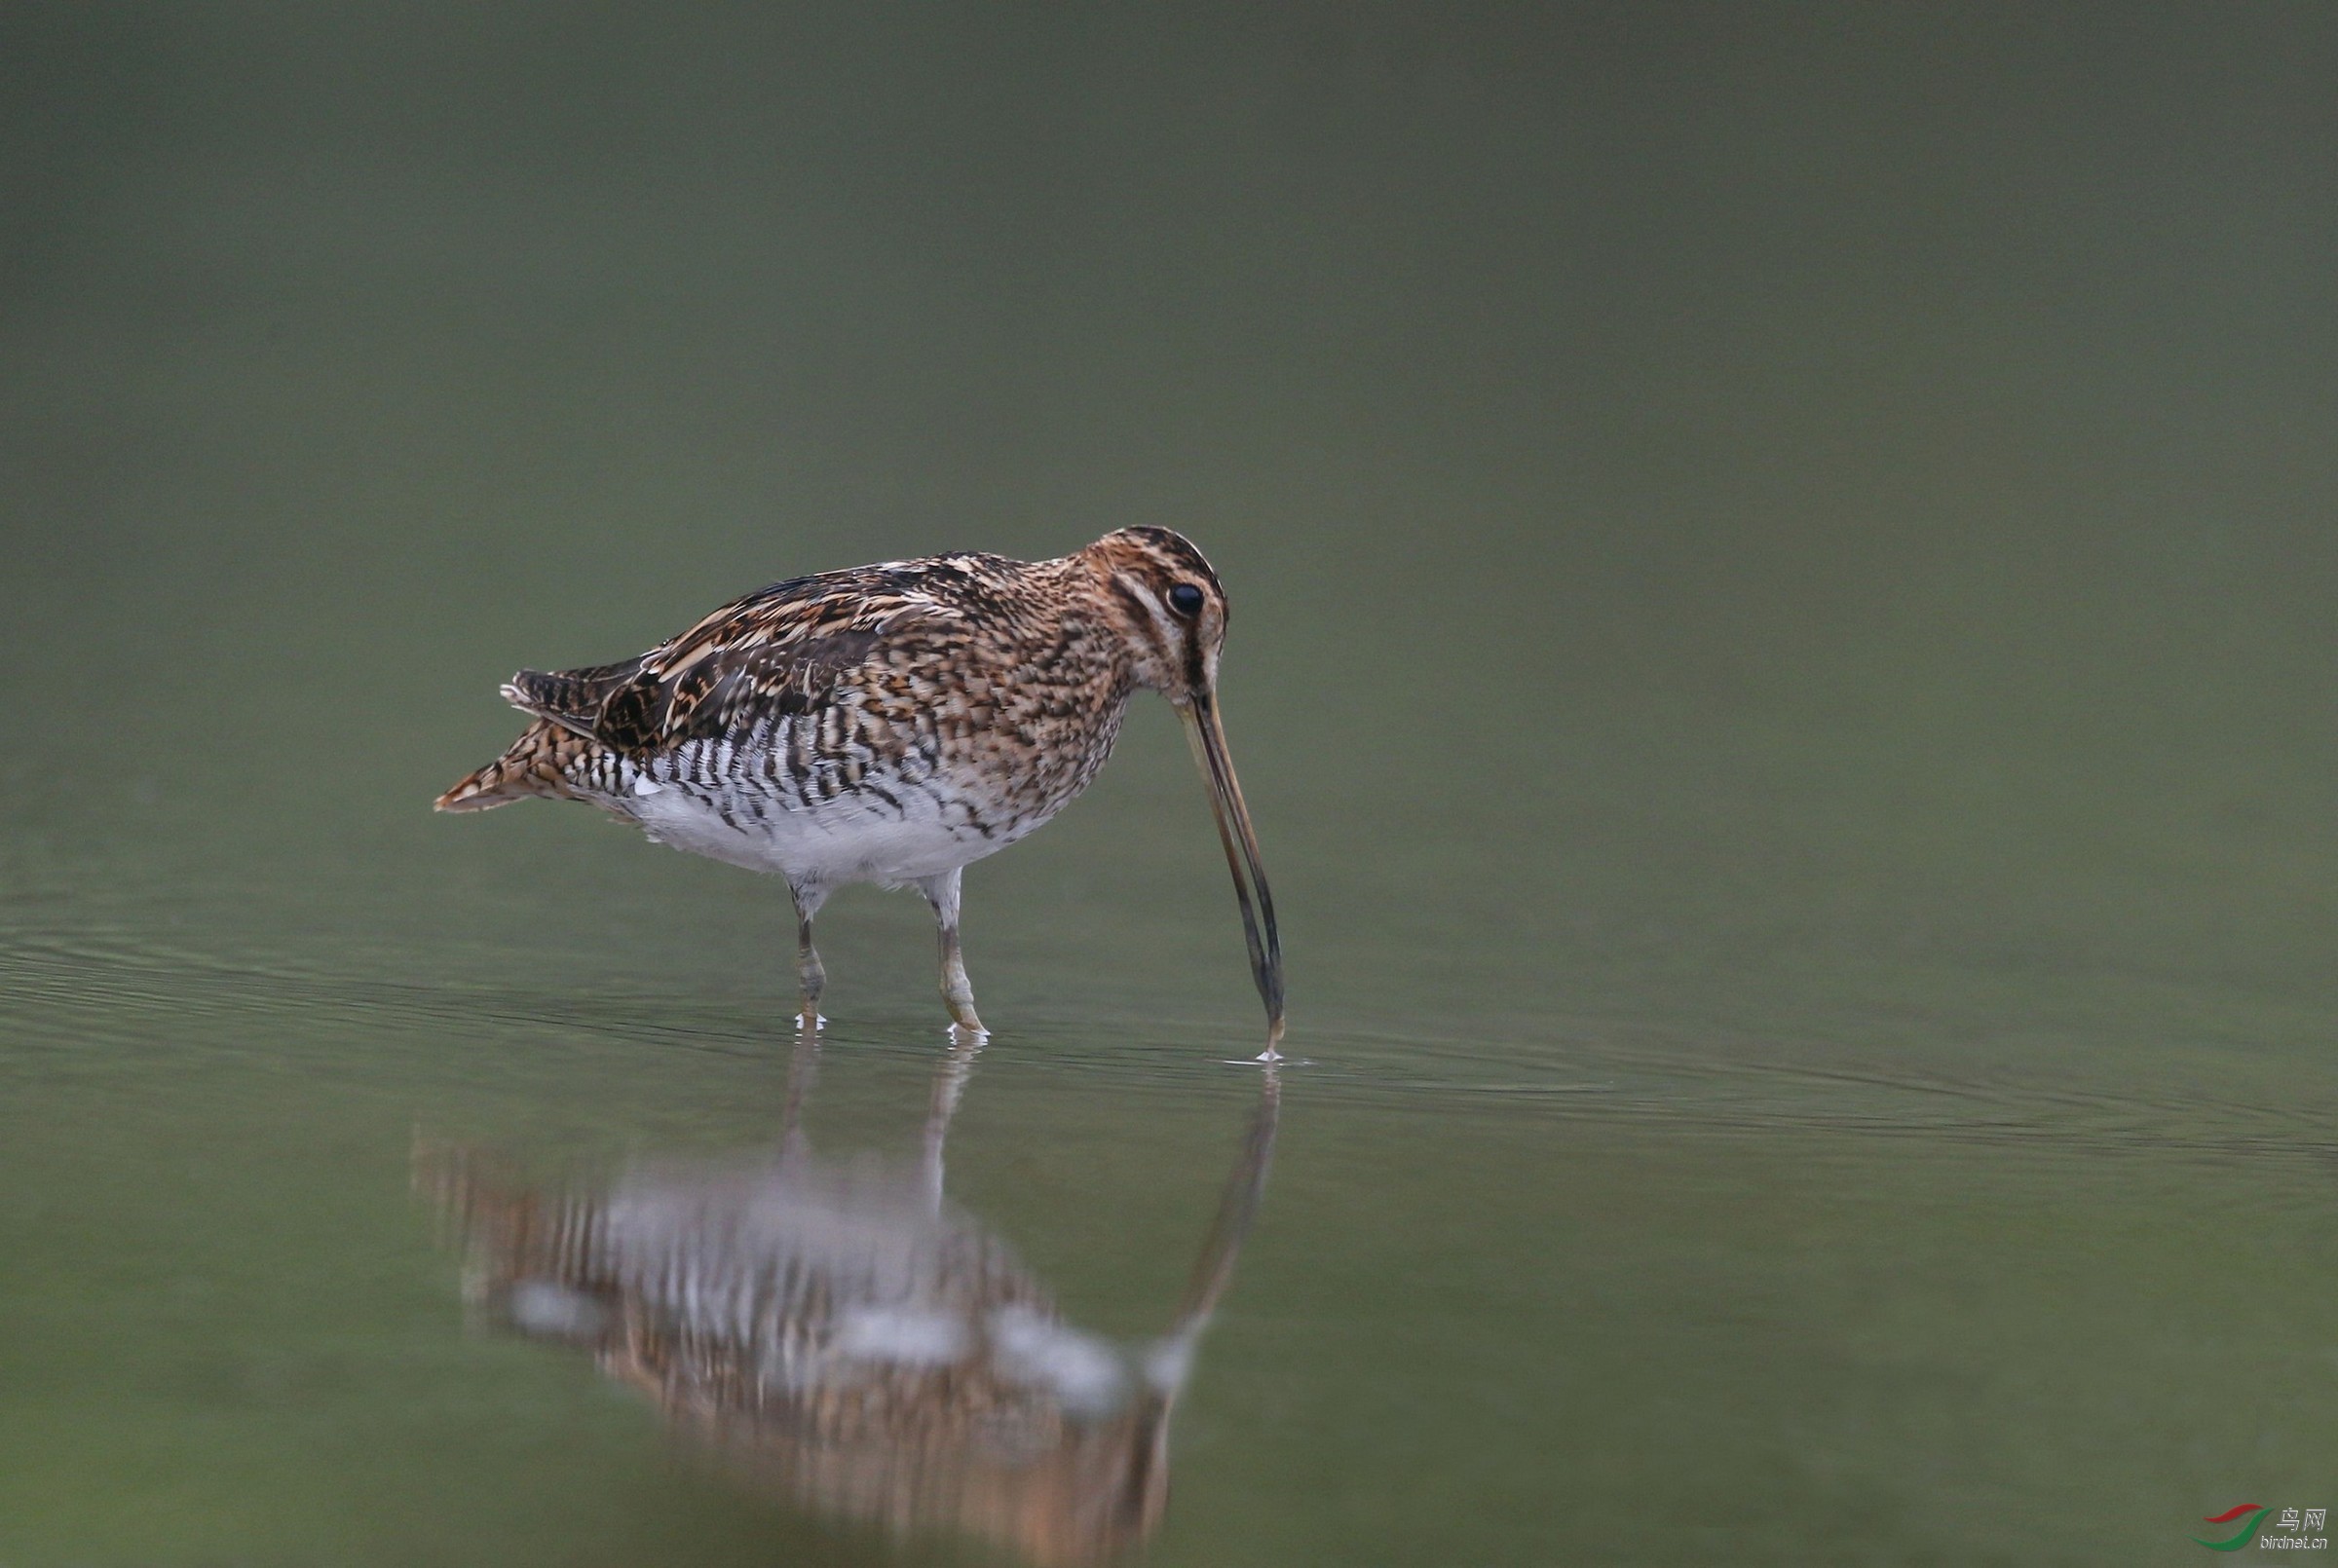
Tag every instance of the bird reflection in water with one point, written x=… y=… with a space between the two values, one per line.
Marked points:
x=846 y=1339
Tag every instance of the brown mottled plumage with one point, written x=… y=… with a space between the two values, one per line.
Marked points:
x=892 y=723
x=845 y=1340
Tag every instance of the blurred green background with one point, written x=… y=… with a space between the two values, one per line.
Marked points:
x=1783 y=563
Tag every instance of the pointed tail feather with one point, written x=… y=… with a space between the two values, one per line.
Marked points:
x=483 y=791
x=533 y=767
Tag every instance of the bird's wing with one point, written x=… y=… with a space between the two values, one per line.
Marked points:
x=569 y=698
x=774 y=653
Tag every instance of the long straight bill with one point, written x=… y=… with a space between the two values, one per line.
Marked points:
x=1207 y=737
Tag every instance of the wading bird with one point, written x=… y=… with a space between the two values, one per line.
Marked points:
x=840 y=1338
x=890 y=724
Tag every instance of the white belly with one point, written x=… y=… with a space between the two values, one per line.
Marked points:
x=853 y=838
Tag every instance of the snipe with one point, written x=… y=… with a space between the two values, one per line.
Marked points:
x=891 y=724
x=845 y=1338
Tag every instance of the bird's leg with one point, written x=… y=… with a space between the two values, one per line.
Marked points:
x=949 y=1083
x=942 y=893
x=802 y=1068
x=808 y=897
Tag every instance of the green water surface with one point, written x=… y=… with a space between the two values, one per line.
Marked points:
x=1783 y=565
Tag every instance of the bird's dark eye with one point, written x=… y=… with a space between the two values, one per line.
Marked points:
x=1185 y=599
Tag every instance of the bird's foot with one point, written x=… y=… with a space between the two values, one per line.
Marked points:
x=961 y=1013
